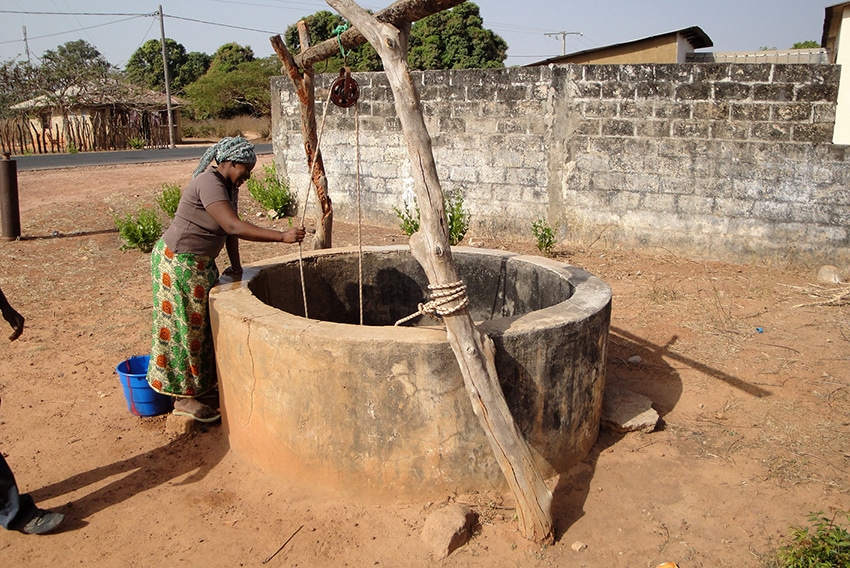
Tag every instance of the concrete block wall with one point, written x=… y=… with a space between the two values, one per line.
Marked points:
x=718 y=161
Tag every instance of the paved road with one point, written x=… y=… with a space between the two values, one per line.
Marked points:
x=82 y=159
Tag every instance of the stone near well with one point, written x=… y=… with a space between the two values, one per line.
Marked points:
x=448 y=529
x=627 y=411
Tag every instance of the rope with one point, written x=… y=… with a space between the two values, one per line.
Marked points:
x=307 y=198
x=338 y=32
x=441 y=296
x=359 y=209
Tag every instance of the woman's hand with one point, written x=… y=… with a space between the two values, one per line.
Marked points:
x=294 y=235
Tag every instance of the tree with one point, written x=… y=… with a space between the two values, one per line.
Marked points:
x=18 y=82
x=72 y=70
x=324 y=25
x=455 y=39
x=243 y=90
x=229 y=56
x=197 y=63
x=144 y=68
x=808 y=44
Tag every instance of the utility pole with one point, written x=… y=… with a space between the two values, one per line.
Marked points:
x=167 y=81
x=563 y=39
x=26 y=45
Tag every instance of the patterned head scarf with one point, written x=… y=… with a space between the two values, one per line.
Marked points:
x=235 y=149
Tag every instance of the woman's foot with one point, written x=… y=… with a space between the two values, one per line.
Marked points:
x=194 y=409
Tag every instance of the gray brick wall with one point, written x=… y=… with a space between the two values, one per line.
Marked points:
x=717 y=161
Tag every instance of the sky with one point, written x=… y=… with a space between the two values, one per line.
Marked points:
x=534 y=30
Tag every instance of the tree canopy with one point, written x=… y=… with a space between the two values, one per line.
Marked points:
x=451 y=39
x=324 y=25
x=229 y=56
x=72 y=71
x=455 y=39
x=144 y=68
x=808 y=44
x=223 y=92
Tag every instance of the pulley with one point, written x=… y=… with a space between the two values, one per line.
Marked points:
x=344 y=89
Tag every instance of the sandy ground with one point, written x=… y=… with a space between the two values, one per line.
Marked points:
x=752 y=388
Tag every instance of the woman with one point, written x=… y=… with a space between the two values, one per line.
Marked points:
x=183 y=268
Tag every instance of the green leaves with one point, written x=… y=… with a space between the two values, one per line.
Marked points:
x=271 y=192
x=456 y=216
x=242 y=90
x=169 y=199
x=545 y=236
x=455 y=39
x=140 y=230
x=144 y=68
x=823 y=545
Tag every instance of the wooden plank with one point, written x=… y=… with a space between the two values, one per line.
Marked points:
x=474 y=351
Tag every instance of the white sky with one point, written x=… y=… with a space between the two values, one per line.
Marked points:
x=733 y=25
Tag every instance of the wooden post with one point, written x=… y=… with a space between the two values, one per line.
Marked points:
x=474 y=351
x=306 y=95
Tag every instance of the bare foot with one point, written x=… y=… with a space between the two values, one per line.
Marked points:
x=197 y=410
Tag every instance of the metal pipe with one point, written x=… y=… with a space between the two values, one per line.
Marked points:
x=10 y=215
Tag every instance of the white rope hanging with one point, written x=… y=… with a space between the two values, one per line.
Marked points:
x=441 y=296
x=359 y=208
x=307 y=198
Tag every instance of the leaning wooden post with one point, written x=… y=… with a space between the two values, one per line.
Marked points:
x=474 y=351
x=306 y=95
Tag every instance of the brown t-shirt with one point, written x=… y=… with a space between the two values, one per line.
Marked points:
x=193 y=229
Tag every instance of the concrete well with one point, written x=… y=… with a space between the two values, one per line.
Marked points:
x=382 y=409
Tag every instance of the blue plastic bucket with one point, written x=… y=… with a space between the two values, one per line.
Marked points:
x=142 y=400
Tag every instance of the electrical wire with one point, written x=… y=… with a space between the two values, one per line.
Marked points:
x=80 y=29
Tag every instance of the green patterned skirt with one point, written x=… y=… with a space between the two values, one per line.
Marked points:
x=182 y=357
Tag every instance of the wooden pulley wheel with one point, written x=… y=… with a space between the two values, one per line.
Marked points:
x=344 y=90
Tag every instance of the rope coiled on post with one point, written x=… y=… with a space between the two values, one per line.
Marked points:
x=441 y=296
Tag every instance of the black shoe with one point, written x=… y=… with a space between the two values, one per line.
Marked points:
x=43 y=522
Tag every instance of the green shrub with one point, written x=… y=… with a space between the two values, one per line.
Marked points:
x=544 y=235
x=823 y=545
x=136 y=143
x=169 y=198
x=456 y=215
x=141 y=230
x=271 y=192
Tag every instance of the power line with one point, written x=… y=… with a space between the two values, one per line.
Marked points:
x=31 y=13
x=79 y=29
x=217 y=24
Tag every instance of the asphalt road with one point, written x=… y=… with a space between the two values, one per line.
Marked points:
x=83 y=159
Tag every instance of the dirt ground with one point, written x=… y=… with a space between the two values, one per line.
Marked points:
x=752 y=389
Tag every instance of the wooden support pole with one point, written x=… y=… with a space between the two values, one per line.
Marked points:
x=306 y=95
x=474 y=351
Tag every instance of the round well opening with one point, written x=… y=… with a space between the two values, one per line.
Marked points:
x=394 y=284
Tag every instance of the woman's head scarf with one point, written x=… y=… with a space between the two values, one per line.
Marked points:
x=230 y=149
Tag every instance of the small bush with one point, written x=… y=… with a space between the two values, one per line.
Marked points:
x=141 y=230
x=136 y=143
x=271 y=192
x=823 y=545
x=544 y=235
x=169 y=198
x=456 y=215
